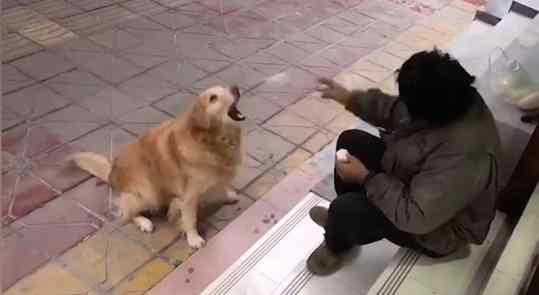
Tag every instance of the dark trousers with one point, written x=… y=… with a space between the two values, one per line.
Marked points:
x=353 y=219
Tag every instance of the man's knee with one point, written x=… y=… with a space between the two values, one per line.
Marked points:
x=346 y=206
x=346 y=138
x=351 y=137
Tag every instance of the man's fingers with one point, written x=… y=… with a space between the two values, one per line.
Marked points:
x=339 y=172
x=326 y=82
x=351 y=159
x=326 y=95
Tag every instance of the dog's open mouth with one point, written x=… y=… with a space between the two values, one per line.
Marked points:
x=235 y=114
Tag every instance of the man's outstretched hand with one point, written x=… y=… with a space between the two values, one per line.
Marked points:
x=333 y=90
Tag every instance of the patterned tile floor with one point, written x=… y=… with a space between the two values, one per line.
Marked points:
x=93 y=74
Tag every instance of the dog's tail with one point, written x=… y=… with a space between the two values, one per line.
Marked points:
x=95 y=164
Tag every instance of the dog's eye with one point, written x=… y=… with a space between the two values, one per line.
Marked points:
x=213 y=98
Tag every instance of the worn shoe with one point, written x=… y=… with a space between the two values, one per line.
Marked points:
x=324 y=262
x=319 y=215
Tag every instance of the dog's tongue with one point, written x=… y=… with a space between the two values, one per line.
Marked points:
x=235 y=114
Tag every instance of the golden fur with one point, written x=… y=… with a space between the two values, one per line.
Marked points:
x=175 y=164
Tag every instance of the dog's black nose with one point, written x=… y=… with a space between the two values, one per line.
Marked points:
x=235 y=91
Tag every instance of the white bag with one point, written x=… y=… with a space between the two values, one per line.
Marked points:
x=509 y=80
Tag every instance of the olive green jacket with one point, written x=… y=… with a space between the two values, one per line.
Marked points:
x=439 y=183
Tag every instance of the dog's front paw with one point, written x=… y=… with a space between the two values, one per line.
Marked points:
x=232 y=198
x=195 y=241
x=144 y=224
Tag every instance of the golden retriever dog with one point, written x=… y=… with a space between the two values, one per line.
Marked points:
x=176 y=163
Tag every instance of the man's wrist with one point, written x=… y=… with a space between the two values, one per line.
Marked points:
x=344 y=97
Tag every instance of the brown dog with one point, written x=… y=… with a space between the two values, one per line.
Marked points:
x=176 y=163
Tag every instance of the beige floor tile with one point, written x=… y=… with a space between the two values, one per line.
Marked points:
x=249 y=170
x=342 y=122
x=222 y=215
x=144 y=278
x=317 y=110
x=257 y=108
x=440 y=39
x=371 y=71
x=399 y=50
x=105 y=258
x=164 y=233
x=265 y=147
x=386 y=60
x=414 y=41
x=269 y=179
x=353 y=81
x=52 y=278
x=390 y=86
x=318 y=141
x=463 y=5
x=425 y=32
x=180 y=251
x=291 y=126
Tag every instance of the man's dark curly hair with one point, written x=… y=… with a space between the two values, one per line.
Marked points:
x=435 y=87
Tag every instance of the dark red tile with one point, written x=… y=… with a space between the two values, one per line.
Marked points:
x=31 y=140
x=8 y=185
x=55 y=170
x=58 y=226
x=47 y=232
x=22 y=196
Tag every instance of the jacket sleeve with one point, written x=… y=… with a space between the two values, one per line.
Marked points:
x=377 y=108
x=445 y=185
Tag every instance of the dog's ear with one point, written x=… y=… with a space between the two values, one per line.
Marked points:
x=199 y=117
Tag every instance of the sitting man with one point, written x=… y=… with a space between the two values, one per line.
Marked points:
x=430 y=182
